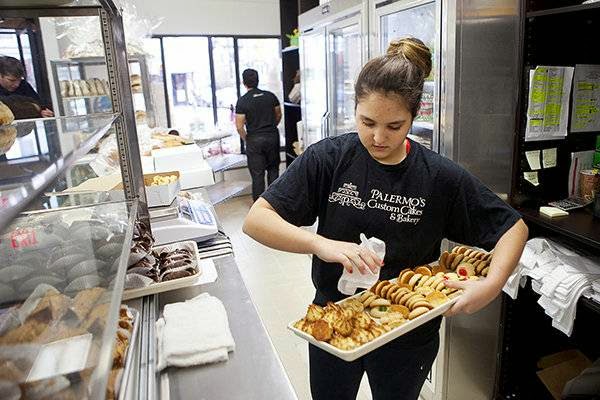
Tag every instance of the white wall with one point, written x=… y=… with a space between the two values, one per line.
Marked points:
x=242 y=17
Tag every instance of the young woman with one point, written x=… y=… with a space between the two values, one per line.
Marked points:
x=380 y=183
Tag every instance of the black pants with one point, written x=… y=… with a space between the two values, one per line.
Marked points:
x=396 y=370
x=263 y=155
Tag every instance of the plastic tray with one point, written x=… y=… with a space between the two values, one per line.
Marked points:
x=172 y=284
x=351 y=355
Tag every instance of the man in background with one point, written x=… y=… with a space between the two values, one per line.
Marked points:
x=12 y=82
x=257 y=115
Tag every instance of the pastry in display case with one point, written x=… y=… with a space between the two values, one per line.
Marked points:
x=59 y=295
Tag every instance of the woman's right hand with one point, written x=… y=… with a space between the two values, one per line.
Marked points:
x=350 y=255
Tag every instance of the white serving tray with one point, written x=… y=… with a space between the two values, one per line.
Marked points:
x=351 y=355
x=172 y=284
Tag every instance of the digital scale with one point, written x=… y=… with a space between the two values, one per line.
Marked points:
x=184 y=219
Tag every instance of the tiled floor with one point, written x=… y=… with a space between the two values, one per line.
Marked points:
x=280 y=286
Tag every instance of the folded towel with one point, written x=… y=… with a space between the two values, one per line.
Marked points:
x=560 y=276
x=193 y=332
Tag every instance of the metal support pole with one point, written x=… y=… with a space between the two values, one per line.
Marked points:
x=122 y=102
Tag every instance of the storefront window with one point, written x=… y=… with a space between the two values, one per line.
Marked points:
x=188 y=81
x=263 y=55
x=225 y=82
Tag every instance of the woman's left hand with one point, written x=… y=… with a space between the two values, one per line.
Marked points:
x=476 y=295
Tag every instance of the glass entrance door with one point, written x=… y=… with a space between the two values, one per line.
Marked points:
x=346 y=61
x=313 y=53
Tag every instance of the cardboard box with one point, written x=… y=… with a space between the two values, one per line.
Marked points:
x=559 y=368
x=158 y=195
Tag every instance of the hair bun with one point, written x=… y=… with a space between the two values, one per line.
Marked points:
x=414 y=51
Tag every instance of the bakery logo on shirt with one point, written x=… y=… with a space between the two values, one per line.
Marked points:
x=347 y=195
x=257 y=95
x=402 y=209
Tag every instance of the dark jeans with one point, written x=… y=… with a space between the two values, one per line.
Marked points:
x=396 y=370
x=263 y=155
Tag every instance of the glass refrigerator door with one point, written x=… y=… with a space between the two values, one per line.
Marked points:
x=345 y=65
x=420 y=22
x=314 y=85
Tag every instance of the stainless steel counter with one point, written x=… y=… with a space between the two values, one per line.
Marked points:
x=254 y=370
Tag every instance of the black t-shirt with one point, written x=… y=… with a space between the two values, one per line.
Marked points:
x=411 y=206
x=259 y=108
x=24 y=89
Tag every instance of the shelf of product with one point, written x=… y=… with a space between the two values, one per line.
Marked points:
x=72 y=137
x=125 y=339
x=82 y=86
x=156 y=269
x=366 y=321
x=61 y=280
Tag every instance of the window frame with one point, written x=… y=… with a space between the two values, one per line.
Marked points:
x=212 y=66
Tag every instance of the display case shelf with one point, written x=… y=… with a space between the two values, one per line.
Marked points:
x=71 y=138
x=563 y=10
x=61 y=281
x=293 y=105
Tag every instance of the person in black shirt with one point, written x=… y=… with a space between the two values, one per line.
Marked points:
x=380 y=183
x=12 y=82
x=260 y=112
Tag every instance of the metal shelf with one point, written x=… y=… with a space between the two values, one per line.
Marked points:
x=76 y=136
x=225 y=190
x=563 y=10
x=227 y=161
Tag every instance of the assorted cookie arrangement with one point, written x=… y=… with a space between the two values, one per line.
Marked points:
x=345 y=325
x=158 y=180
x=466 y=261
x=389 y=304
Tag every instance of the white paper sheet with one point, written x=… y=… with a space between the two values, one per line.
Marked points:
x=549 y=157
x=585 y=116
x=533 y=159
x=548 y=106
x=532 y=177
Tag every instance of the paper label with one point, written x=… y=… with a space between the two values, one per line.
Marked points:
x=531 y=177
x=549 y=157
x=533 y=159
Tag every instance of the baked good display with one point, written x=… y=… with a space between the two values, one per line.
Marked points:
x=466 y=261
x=136 y=83
x=83 y=87
x=6 y=115
x=390 y=304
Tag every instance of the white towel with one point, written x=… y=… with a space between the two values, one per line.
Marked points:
x=193 y=332
x=560 y=276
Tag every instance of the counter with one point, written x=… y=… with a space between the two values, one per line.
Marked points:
x=254 y=370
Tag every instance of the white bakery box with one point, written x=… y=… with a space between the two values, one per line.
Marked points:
x=157 y=195
x=193 y=169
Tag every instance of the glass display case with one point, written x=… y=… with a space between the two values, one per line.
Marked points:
x=63 y=258
x=82 y=87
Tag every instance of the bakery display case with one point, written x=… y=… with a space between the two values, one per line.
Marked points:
x=61 y=279
x=63 y=331
x=82 y=86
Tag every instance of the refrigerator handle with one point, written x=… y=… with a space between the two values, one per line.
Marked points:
x=325 y=125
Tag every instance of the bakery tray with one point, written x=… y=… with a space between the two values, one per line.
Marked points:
x=122 y=390
x=351 y=355
x=174 y=284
